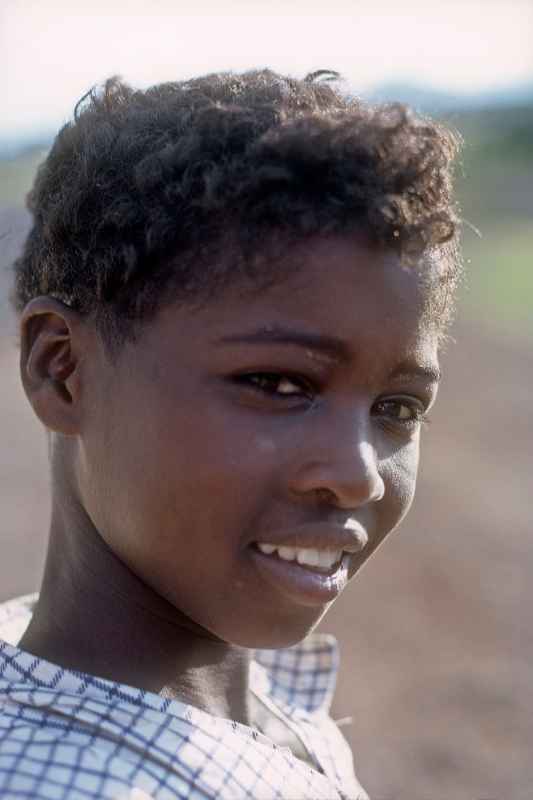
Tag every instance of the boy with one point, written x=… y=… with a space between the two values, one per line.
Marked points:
x=231 y=303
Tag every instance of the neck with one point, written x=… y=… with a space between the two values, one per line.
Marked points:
x=94 y=615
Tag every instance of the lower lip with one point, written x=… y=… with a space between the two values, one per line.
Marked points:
x=303 y=585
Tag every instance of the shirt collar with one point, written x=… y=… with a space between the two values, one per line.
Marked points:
x=301 y=678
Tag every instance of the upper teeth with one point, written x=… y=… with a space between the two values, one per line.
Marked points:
x=303 y=555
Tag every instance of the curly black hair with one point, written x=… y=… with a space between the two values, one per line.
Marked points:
x=145 y=193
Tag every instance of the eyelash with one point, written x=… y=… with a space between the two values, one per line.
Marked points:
x=308 y=391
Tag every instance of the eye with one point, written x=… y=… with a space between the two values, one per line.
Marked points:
x=406 y=411
x=276 y=384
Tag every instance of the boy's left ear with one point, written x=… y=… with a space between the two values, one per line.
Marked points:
x=51 y=344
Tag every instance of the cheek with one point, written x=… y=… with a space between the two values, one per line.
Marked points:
x=264 y=446
x=399 y=473
x=203 y=479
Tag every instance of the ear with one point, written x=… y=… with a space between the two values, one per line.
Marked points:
x=51 y=339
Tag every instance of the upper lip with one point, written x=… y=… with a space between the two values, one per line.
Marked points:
x=351 y=536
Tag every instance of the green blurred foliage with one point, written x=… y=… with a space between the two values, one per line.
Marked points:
x=495 y=191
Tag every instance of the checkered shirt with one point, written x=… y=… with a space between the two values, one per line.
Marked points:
x=65 y=735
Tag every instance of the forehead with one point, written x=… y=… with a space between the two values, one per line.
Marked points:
x=336 y=281
x=338 y=288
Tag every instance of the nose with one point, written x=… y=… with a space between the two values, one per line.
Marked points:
x=341 y=467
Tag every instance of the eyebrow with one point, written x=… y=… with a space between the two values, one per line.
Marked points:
x=428 y=372
x=331 y=347
x=336 y=350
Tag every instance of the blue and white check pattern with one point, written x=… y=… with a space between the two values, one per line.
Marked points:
x=65 y=735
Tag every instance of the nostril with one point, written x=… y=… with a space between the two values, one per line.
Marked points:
x=344 y=496
x=324 y=495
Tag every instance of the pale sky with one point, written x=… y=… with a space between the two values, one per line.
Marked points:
x=52 y=51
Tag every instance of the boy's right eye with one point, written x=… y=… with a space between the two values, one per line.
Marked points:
x=276 y=384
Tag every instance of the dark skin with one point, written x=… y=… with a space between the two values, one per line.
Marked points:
x=294 y=411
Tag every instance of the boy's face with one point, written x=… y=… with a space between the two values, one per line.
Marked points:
x=288 y=417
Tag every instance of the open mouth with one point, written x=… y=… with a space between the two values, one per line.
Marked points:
x=306 y=575
x=323 y=562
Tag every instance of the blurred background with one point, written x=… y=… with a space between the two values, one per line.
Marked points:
x=436 y=686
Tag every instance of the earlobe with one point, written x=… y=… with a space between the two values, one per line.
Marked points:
x=49 y=363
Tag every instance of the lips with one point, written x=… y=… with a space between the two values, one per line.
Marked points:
x=309 y=564
x=351 y=537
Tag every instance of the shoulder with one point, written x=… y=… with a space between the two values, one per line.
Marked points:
x=66 y=732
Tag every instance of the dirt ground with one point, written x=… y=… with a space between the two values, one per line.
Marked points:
x=435 y=634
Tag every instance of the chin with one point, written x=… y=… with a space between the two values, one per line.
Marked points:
x=284 y=632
